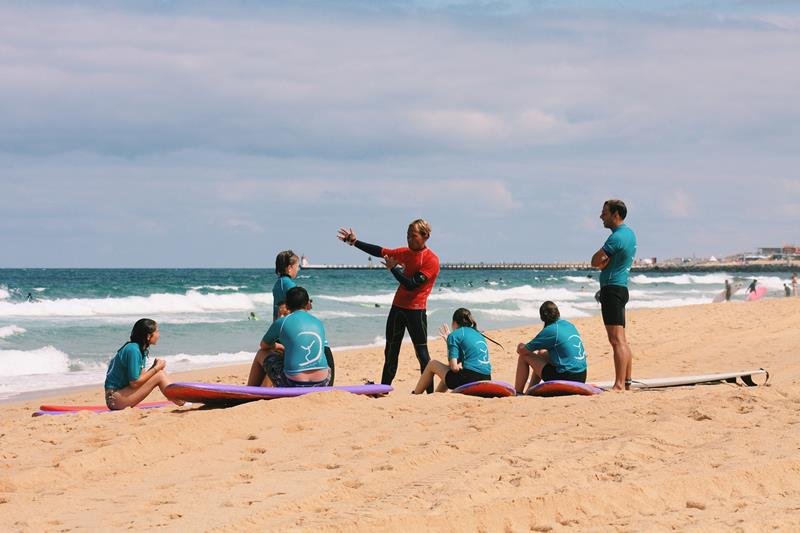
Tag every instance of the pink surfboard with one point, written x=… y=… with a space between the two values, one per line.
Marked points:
x=756 y=295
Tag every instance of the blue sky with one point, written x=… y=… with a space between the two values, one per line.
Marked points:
x=216 y=134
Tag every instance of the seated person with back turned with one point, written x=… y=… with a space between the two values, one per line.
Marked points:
x=293 y=350
x=556 y=353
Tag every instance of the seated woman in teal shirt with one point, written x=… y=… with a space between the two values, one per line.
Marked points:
x=127 y=382
x=467 y=355
x=556 y=353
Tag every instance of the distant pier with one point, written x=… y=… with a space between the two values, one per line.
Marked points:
x=579 y=266
x=467 y=266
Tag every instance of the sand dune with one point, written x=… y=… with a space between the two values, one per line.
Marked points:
x=705 y=458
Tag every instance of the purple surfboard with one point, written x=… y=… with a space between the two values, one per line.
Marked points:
x=221 y=394
x=487 y=389
x=560 y=387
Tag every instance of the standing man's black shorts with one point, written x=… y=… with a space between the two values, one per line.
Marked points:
x=612 y=304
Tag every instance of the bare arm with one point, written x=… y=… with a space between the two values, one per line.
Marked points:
x=455 y=366
x=600 y=259
x=158 y=365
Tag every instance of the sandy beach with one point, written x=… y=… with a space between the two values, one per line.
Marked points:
x=707 y=458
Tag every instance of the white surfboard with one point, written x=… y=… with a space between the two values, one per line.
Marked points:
x=735 y=286
x=677 y=381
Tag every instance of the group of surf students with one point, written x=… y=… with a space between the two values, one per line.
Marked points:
x=294 y=351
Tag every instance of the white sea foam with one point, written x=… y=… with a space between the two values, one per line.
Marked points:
x=218 y=287
x=371 y=299
x=671 y=302
x=181 y=362
x=7 y=331
x=582 y=280
x=40 y=289
x=191 y=302
x=523 y=293
x=326 y=315
x=530 y=310
x=46 y=360
x=683 y=279
x=4 y=293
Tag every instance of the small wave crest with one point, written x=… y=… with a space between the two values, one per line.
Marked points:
x=527 y=310
x=7 y=331
x=493 y=296
x=5 y=294
x=162 y=303
x=683 y=279
x=218 y=287
x=46 y=360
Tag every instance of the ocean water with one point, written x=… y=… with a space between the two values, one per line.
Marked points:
x=78 y=318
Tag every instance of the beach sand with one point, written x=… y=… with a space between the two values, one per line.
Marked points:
x=707 y=458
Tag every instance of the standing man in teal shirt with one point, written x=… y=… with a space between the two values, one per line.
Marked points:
x=614 y=260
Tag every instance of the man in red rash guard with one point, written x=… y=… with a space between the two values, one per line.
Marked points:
x=415 y=268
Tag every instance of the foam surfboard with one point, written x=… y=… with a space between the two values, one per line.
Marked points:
x=487 y=389
x=745 y=377
x=736 y=286
x=70 y=408
x=95 y=409
x=222 y=394
x=559 y=387
x=756 y=294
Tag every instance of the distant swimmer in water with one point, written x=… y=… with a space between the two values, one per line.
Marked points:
x=252 y=316
x=29 y=297
x=415 y=268
x=127 y=382
x=786 y=290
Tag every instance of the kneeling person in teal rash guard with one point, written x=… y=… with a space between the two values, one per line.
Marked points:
x=294 y=352
x=555 y=353
x=127 y=382
x=467 y=354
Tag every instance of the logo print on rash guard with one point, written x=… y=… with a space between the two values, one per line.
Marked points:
x=579 y=346
x=316 y=339
x=484 y=349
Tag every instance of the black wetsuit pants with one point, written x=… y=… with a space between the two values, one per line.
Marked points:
x=416 y=322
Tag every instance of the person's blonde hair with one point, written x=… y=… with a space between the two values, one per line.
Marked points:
x=422 y=227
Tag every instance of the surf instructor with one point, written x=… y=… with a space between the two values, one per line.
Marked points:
x=614 y=260
x=415 y=268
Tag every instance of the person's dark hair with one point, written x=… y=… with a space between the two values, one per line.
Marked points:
x=463 y=317
x=296 y=298
x=141 y=331
x=549 y=313
x=617 y=206
x=284 y=260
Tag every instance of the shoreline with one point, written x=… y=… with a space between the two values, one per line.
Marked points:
x=242 y=368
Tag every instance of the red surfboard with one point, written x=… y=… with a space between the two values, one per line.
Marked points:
x=75 y=408
x=563 y=388
x=487 y=389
